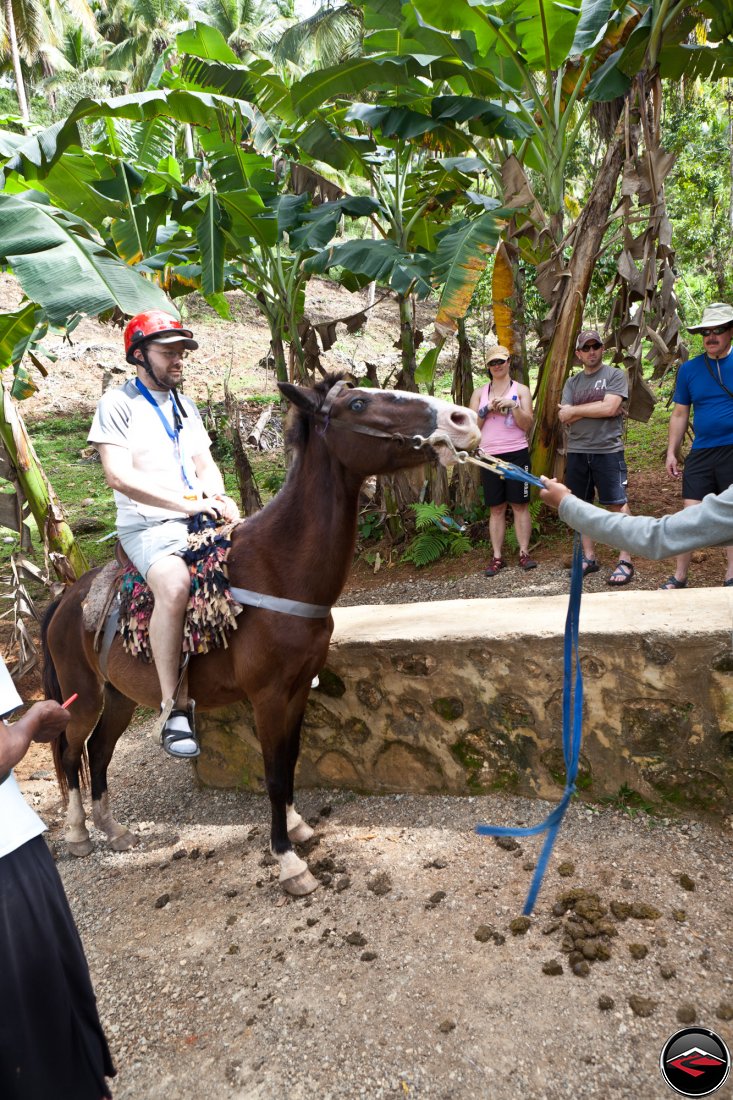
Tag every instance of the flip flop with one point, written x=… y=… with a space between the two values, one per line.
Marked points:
x=672 y=582
x=728 y=583
x=620 y=576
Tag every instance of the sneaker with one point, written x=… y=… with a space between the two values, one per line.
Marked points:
x=526 y=563
x=494 y=566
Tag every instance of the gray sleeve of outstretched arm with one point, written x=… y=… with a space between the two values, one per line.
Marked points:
x=706 y=524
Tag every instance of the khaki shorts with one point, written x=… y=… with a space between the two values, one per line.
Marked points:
x=148 y=542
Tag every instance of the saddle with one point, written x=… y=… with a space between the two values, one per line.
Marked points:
x=119 y=601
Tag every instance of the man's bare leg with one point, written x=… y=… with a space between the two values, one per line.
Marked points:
x=682 y=563
x=169 y=581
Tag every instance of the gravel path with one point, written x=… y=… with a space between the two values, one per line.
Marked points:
x=402 y=975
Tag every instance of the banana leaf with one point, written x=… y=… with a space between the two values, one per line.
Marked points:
x=379 y=261
x=62 y=265
x=461 y=256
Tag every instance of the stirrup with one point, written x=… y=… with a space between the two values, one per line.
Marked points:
x=178 y=725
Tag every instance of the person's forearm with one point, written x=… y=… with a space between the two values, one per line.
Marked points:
x=676 y=433
x=706 y=524
x=137 y=488
x=14 y=742
x=596 y=410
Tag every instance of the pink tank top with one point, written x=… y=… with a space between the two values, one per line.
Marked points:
x=499 y=433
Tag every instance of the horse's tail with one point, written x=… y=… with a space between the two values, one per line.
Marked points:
x=52 y=690
x=51 y=685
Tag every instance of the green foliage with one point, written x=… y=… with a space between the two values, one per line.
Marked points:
x=510 y=537
x=371 y=524
x=629 y=802
x=434 y=539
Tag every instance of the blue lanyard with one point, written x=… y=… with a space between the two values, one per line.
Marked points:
x=172 y=433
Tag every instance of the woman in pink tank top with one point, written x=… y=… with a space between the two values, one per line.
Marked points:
x=505 y=417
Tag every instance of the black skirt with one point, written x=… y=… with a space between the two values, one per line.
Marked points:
x=51 y=1041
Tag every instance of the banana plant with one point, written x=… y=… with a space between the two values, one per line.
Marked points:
x=435 y=228
x=547 y=64
x=66 y=272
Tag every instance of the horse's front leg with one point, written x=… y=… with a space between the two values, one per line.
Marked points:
x=113 y=721
x=279 y=756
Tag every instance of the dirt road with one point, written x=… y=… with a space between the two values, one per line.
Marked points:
x=401 y=975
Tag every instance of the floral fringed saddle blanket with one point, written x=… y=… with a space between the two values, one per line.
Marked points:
x=211 y=612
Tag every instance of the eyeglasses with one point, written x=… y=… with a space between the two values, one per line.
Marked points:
x=718 y=331
x=172 y=355
x=497 y=362
x=592 y=346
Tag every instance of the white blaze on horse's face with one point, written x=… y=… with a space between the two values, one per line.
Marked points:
x=459 y=424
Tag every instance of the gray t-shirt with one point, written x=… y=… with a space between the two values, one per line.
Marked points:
x=595 y=435
x=125 y=418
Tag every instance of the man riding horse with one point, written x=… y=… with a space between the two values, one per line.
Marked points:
x=156 y=457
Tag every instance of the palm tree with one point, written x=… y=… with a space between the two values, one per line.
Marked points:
x=329 y=36
x=25 y=27
x=239 y=21
x=141 y=31
x=30 y=30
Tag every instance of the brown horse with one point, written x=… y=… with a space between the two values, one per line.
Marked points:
x=299 y=547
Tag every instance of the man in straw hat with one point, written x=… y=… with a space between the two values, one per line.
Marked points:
x=591 y=409
x=705 y=387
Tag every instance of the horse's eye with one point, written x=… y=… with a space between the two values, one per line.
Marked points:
x=357 y=404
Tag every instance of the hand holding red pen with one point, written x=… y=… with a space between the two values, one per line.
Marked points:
x=47 y=719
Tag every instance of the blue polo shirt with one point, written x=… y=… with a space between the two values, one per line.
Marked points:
x=712 y=407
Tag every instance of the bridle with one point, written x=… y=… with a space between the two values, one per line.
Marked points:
x=416 y=442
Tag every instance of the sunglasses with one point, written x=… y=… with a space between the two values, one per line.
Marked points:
x=718 y=331
x=497 y=362
x=592 y=346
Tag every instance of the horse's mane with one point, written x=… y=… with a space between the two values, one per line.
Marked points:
x=299 y=422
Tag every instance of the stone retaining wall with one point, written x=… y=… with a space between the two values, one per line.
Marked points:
x=465 y=697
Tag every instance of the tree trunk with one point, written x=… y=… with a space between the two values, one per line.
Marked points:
x=249 y=494
x=407 y=345
x=15 y=54
x=65 y=554
x=466 y=479
x=568 y=316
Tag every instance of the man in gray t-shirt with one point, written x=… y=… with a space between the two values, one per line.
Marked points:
x=591 y=410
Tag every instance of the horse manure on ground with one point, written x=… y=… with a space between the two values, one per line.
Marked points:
x=642 y=1006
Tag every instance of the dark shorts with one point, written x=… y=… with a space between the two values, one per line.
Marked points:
x=708 y=470
x=51 y=1041
x=499 y=490
x=604 y=474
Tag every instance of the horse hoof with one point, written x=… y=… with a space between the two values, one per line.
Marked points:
x=300 y=885
x=301 y=833
x=124 y=842
x=79 y=847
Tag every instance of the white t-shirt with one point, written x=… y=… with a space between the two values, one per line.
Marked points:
x=125 y=418
x=18 y=822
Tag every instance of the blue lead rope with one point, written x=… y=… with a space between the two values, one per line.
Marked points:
x=572 y=724
x=508 y=470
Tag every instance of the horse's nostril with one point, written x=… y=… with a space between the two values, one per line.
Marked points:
x=459 y=418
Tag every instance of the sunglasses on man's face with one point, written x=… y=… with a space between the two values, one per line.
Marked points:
x=717 y=331
x=593 y=346
x=497 y=362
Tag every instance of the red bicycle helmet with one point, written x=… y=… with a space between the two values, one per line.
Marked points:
x=155 y=324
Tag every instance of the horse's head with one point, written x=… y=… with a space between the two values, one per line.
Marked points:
x=377 y=431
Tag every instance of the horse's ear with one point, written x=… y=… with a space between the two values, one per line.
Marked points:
x=300 y=396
